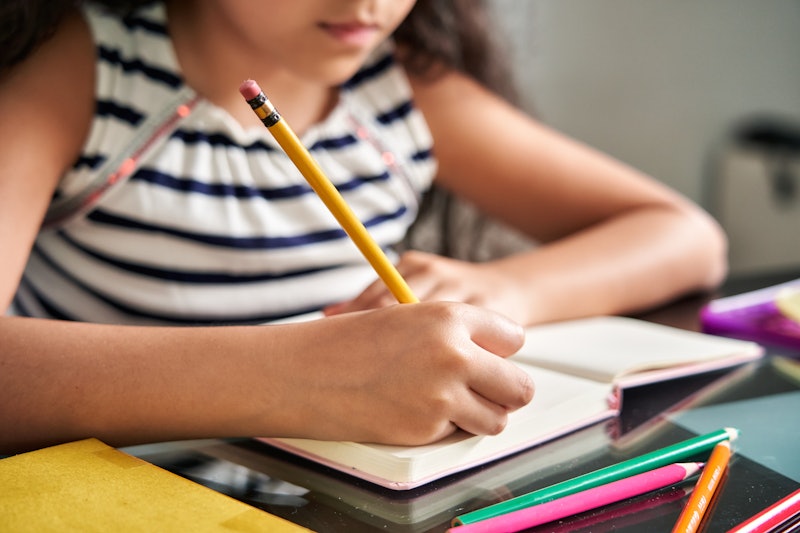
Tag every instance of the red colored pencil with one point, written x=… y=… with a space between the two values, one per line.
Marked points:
x=773 y=516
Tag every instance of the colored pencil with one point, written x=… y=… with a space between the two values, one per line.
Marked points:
x=705 y=490
x=583 y=501
x=682 y=451
x=626 y=515
x=330 y=196
x=773 y=517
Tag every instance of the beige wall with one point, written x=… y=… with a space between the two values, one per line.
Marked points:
x=657 y=83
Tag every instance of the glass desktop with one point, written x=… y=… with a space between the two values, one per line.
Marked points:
x=761 y=397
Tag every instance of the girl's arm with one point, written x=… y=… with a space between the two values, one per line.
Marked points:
x=613 y=240
x=404 y=375
x=46 y=105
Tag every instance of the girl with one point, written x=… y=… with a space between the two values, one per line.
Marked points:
x=139 y=194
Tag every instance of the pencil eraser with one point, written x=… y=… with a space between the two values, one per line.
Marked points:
x=249 y=89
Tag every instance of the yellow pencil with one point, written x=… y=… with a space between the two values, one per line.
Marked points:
x=704 y=490
x=311 y=171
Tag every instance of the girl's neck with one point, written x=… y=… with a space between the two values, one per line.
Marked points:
x=214 y=60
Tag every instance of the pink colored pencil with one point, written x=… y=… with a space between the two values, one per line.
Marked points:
x=773 y=516
x=583 y=501
x=623 y=515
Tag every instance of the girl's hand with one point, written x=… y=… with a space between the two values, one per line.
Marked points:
x=436 y=278
x=407 y=374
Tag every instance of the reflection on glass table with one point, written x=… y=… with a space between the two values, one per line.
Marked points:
x=654 y=416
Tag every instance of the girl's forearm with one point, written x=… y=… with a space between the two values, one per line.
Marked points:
x=627 y=264
x=123 y=384
x=406 y=374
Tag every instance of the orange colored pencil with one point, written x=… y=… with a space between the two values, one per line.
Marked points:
x=707 y=486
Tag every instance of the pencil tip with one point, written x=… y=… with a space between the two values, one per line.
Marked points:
x=733 y=433
x=693 y=468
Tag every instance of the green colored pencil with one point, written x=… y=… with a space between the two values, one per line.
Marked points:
x=674 y=453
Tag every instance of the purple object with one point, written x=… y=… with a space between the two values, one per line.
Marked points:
x=753 y=316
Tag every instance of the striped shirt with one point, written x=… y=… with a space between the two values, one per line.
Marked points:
x=176 y=214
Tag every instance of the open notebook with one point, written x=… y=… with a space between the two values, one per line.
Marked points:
x=580 y=368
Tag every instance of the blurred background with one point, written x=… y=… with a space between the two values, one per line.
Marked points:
x=702 y=94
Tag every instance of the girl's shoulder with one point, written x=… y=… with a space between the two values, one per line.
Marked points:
x=46 y=104
x=68 y=48
x=54 y=84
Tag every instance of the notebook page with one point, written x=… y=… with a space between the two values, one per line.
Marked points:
x=607 y=348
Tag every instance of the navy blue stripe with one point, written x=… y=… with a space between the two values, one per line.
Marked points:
x=422 y=155
x=218 y=140
x=89 y=161
x=107 y=108
x=268 y=243
x=102 y=217
x=52 y=310
x=20 y=307
x=380 y=219
x=398 y=113
x=56 y=312
x=369 y=72
x=222 y=140
x=190 y=277
x=358 y=181
x=188 y=185
x=157 y=74
x=335 y=143
x=219 y=189
x=133 y=22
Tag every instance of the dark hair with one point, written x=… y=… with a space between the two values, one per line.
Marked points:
x=456 y=34
x=24 y=24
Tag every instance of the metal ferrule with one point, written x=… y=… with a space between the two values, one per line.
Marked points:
x=270 y=118
x=265 y=110
x=257 y=101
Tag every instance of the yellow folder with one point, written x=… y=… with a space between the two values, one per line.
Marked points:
x=90 y=486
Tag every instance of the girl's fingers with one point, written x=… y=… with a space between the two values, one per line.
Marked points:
x=480 y=416
x=503 y=383
x=496 y=333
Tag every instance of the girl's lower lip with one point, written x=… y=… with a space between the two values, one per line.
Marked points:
x=351 y=34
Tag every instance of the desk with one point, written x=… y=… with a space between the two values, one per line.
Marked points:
x=325 y=500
